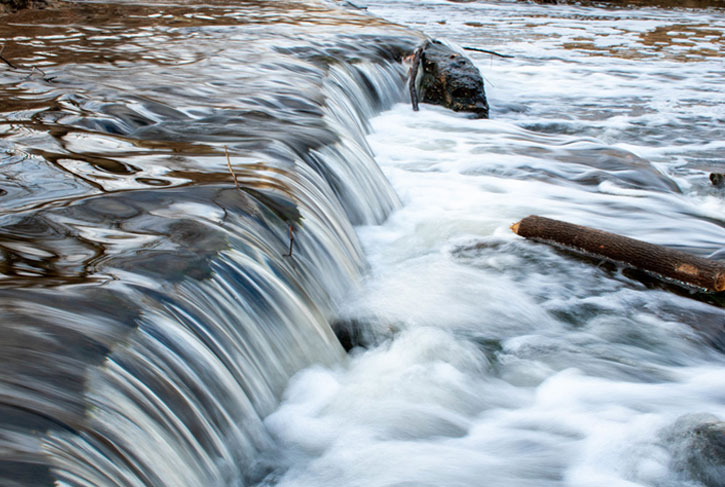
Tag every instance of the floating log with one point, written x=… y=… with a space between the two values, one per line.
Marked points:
x=662 y=261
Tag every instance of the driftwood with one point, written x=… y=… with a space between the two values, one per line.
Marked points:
x=662 y=261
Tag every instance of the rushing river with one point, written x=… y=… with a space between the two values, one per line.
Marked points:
x=152 y=319
x=493 y=361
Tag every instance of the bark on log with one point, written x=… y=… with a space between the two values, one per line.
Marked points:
x=662 y=261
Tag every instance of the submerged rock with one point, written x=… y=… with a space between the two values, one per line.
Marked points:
x=698 y=447
x=362 y=332
x=447 y=78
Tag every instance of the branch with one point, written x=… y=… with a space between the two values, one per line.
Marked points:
x=229 y=165
x=291 y=230
x=487 y=52
x=5 y=60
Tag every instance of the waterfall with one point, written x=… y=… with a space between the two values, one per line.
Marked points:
x=151 y=315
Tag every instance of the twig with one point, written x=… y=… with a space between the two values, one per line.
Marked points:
x=5 y=60
x=290 y=227
x=413 y=75
x=487 y=52
x=291 y=230
x=32 y=70
x=229 y=165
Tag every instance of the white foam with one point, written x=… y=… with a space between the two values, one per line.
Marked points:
x=503 y=362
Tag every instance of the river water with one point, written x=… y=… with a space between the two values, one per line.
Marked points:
x=152 y=321
x=493 y=361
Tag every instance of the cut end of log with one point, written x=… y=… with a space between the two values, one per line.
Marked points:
x=515 y=227
x=720 y=282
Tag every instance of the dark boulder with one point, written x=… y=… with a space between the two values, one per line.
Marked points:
x=717 y=179
x=14 y=5
x=362 y=332
x=447 y=78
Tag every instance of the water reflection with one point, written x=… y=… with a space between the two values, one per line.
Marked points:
x=151 y=319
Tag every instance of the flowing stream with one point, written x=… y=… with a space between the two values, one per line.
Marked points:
x=493 y=361
x=152 y=320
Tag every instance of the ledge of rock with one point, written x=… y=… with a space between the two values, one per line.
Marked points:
x=448 y=78
x=8 y=6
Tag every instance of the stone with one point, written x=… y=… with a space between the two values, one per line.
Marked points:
x=449 y=79
x=697 y=442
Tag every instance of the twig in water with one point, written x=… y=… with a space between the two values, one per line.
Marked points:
x=290 y=226
x=291 y=230
x=487 y=51
x=229 y=165
x=5 y=60
x=32 y=70
x=413 y=75
x=45 y=76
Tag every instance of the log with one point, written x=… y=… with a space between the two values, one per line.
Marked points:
x=661 y=261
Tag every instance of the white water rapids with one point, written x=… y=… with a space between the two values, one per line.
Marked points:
x=501 y=362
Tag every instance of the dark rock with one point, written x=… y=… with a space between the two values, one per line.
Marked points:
x=361 y=332
x=450 y=79
x=14 y=5
x=717 y=179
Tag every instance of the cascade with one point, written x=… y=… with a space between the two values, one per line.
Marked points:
x=151 y=315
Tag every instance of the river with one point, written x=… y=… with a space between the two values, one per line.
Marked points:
x=493 y=361
x=157 y=157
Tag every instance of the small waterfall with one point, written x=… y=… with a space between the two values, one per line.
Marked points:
x=152 y=318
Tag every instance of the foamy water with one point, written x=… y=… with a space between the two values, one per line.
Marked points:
x=501 y=362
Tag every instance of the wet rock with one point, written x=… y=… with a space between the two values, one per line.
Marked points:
x=447 y=78
x=698 y=447
x=13 y=5
x=717 y=179
x=361 y=332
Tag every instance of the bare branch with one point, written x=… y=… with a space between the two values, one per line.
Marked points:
x=487 y=52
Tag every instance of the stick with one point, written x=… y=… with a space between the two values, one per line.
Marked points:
x=291 y=229
x=229 y=164
x=665 y=262
x=487 y=51
x=5 y=60
x=413 y=75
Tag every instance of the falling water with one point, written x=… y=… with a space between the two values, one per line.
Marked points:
x=151 y=317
